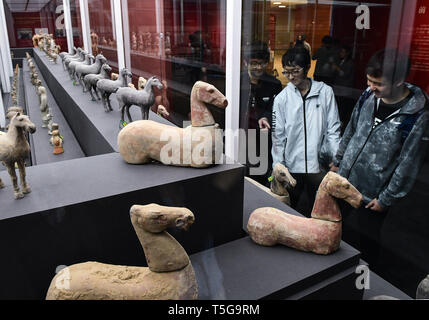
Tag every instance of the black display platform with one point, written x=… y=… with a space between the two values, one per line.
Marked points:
x=244 y=270
x=79 y=211
x=95 y=129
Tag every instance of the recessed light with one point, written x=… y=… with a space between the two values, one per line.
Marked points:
x=277 y=2
x=282 y=6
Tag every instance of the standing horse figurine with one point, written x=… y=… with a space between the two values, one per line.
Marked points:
x=107 y=87
x=321 y=233
x=145 y=140
x=89 y=59
x=143 y=98
x=83 y=70
x=90 y=80
x=14 y=148
x=169 y=274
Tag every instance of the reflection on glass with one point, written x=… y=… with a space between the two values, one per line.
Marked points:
x=180 y=42
x=341 y=37
x=102 y=33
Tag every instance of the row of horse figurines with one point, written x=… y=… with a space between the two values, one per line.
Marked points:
x=92 y=73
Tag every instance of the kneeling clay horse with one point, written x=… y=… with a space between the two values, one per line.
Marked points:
x=169 y=275
x=321 y=233
x=145 y=140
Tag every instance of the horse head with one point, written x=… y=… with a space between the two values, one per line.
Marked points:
x=340 y=188
x=125 y=73
x=155 y=218
x=154 y=81
x=23 y=122
x=106 y=67
x=281 y=178
x=208 y=93
x=101 y=58
x=89 y=58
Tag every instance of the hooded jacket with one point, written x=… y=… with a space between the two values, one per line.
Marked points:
x=305 y=130
x=382 y=162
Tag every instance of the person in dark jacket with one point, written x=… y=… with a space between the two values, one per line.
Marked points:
x=385 y=142
x=258 y=90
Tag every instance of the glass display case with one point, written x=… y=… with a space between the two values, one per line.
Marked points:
x=180 y=42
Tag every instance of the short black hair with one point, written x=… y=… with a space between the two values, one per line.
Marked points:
x=257 y=50
x=390 y=64
x=327 y=40
x=297 y=56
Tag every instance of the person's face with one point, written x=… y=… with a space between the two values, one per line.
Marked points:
x=343 y=53
x=256 y=67
x=380 y=86
x=295 y=74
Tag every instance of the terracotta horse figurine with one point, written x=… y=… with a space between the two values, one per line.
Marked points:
x=169 y=274
x=198 y=145
x=321 y=233
x=14 y=148
x=282 y=181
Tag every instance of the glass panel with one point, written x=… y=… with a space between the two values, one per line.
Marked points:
x=76 y=23
x=382 y=152
x=103 y=37
x=180 y=42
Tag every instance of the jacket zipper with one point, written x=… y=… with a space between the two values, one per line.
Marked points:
x=305 y=137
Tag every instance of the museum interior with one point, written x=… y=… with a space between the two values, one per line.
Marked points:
x=138 y=145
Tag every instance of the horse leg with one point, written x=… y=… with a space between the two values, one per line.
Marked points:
x=96 y=92
x=12 y=173
x=128 y=113
x=90 y=92
x=108 y=103
x=122 y=108
x=24 y=186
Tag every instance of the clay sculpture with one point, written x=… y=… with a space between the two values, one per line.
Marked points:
x=162 y=111
x=141 y=141
x=142 y=98
x=321 y=233
x=141 y=83
x=14 y=148
x=82 y=70
x=169 y=274
x=65 y=55
x=80 y=58
x=282 y=181
x=107 y=87
x=423 y=289
x=56 y=140
x=44 y=110
x=91 y=80
x=161 y=98
x=89 y=58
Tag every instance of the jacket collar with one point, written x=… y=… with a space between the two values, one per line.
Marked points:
x=417 y=102
x=315 y=89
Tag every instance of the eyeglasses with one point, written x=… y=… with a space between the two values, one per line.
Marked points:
x=255 y=64
x=293 y=72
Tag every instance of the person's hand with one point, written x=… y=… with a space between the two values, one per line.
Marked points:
x=375 y=205
x=332 y=167
x=264 y=124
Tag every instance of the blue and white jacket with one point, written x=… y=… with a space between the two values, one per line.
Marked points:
x=305 y=130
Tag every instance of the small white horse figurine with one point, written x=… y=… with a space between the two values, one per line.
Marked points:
x=145 y=140
x=14 y=148
x=169 y=274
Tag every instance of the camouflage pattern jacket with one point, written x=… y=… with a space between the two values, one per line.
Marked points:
x=382 y=161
